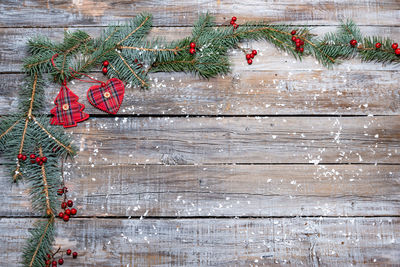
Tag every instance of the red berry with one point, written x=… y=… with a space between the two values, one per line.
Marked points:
x=232 y=22
x=61 y=261
x=397 y=51
x=70 y=203
x=63 y=205
x=192 y=45
x=19 y=156
x=254 y=52
x=74 y=255
x=68 y=212
x=105 y=63
x=301 y=42
x=235 y=26
x=293 y=32
x=298 y=40
x=192 y=51
x=353 y=42
x=234 y=18
x=60 y=192
x=61 y=215
x=66 y=218
x=103 y=85
x=104 y=70
x=394 y=46
x=54 y=263
x=297 y=45
x=40 y=163
x=294 y=38
x=44 y=159
x=33 y=161
x=32 y=156
x=248 y=56
x=301 y=49
x=73 y=211
x=23 y=157
x=136 y=61
x=69 y=252
x=251 y=55
x=48 y=262
x=249 y=61
x=378 y=45
x=38 y=159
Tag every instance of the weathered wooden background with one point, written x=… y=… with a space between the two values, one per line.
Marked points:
x=278 y=163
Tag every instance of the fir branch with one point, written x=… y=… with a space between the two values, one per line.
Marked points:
x=41 y=44
x=17 y=172
x=9 y=128
x=203 y=25
x=42 y=237
x=49 y=210
x=143 y=83
x=62 y=144
x=40 y=63
x=31 y=95
x=135 y=30
x=385 y=54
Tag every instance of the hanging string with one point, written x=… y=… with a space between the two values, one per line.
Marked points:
x=93 y=80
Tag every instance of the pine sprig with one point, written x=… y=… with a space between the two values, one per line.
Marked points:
x=369 y=53
x=31 y=95
x=40 y=242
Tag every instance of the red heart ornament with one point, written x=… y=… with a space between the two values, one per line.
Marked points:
x=107 y=98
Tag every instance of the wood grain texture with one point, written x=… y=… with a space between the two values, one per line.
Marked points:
x=202 y=140
x=162 y=189
x=253 y=93
x=62 y=13
x=213 y=242
x=222 y=190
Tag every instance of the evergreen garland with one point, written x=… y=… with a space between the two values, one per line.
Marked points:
x=124 y=46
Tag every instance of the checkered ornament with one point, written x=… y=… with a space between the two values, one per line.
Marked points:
x=68 y=111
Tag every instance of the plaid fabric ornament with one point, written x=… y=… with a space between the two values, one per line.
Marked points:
x=68 y=111
x=107 y=96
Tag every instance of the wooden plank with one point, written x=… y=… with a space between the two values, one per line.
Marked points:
x=13 y=48
x=251 y=93
x=171 y=13
x=215 y=190
x=219 y=242
x=198 y=140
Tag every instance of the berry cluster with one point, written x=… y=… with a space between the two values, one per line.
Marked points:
x=396 y=49
x=233 y=23
x=52 y=261
x=22 y=157
x=34 y=159
x=192 y=48
x=105 y=65
x=65 y=205
x=299 y=43
x=249 y=57
x=378 y=45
